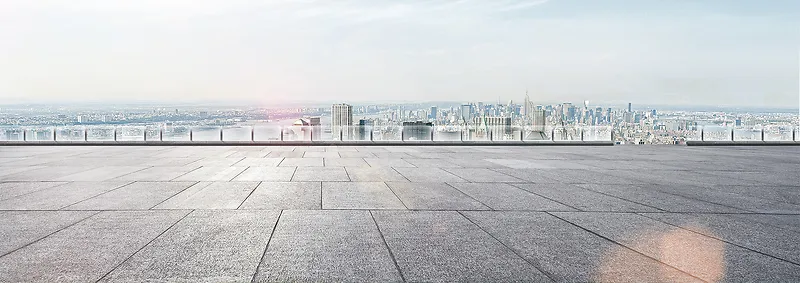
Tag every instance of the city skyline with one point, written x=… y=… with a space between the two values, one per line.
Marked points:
x=732 y=53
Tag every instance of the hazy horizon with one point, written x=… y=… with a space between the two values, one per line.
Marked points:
x=649 y=52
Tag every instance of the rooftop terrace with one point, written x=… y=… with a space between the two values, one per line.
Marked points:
x=399 y=213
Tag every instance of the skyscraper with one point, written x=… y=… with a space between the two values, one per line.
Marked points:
x=466 y=113
x=364 y=128
x=500 y=127
x=538 y=119
x=341 y=120
x=417 y=130
x=434 y=115
x=568 y=112
x=629 y=107
x=528 y=109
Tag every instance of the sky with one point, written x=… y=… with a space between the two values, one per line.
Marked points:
x=666 y=52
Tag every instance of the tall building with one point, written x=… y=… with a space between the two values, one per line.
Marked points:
x=568 y=112
x=527 y=108
x=364 y=128
x=341 y=120
x=467 y=113
x=500 y=127
x=418 y=130
x=306 y=128
x=538 y=120
x=434 y=115
x=629 y=107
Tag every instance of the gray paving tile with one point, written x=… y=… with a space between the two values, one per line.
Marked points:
x=650 y=197
x=371 y=149
x=269 y=174
x=355 y=154
x=583 y=199
x=501 y=196
x=481 y=175
x=760 y=178
x=210 y=195
x=311 y=148
x=136 y=196
x=215 y=162
x=777 y=242
x=701 y=256
x=519 y=163
x=281 y=148
x=259 y=162
x=88 y=250
x=428 y=175
x=723 y=196
x=336 y=246
x=320 y=174
x=155 y=174
x=13 y=170
x=48 y=173
x=207 y=246
x=14 y=189
x=785 y=194
x=169 y=162
x=345 y=162
x=529 y=175
x=101 y=174
x=564 y=164
x=431 y=162
x=359 y=195
x=374 y=174
x=285 y=154
x=19 y=228
x=321 y=154
x=249 y=154
x=391 y=155
x=302 y=162
x=460 y=160
x=433 y=246
x=785 y=221
x=285 y=195
x=19 y=161
x=570 y=254
x=60 y=196
x=387 y=162
x=341 y=149
x=434 y=196
x=212 y=174
x=578 y=176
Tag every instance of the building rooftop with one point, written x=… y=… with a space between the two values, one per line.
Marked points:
x=399 y=213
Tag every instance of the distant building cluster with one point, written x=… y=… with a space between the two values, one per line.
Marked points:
x=419 y=121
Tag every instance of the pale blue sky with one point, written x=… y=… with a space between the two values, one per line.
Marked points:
x=713 y=52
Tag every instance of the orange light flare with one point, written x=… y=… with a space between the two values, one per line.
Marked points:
x=687 y=251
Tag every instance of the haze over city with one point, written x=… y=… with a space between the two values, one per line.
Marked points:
x=732 y=53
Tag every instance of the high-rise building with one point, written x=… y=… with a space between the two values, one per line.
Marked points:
x=538 y=120
x=499 y=127
x=434 y=115
x=629 y=107
x=341 y=120
x=467 y=113
x=306 y=128
x=568 y=112
x=527 y=108
x=417 y=130
x=364 y=129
